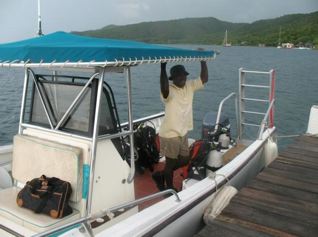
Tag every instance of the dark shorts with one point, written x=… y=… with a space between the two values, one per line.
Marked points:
x=175 y=146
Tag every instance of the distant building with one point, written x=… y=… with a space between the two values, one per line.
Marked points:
x=288 y=45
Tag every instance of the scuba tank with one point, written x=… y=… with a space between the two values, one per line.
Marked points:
x=224 y=141
x=214 y=161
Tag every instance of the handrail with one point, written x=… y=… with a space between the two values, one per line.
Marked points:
x=144 y=119
x=264 y=121
x=109 y=210
x=256 y=72
x=59 y=228
x=220 y=110
x=10 y=231
x=136 y=202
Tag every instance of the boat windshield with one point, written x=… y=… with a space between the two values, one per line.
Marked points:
x=58 y=95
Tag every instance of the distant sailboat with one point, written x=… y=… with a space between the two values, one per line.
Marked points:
x=225 y=43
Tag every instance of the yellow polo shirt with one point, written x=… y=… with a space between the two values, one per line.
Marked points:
x=178 y=118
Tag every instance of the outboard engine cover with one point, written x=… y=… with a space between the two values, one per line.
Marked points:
x=208 y=126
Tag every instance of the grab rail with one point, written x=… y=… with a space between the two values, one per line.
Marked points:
x=84 y=220
x=220 y=110
x=137 y=202
x=264 y=121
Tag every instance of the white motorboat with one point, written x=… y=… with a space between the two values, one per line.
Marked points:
x=69 y=128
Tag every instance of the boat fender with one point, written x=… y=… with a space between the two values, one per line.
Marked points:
x=5 y=179
x=214 y=161
x=270 y=151
x=313 y=121
x=218 y=203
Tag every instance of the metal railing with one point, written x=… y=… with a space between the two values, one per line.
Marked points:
x=264 y=121
x=269 y=115
x=84 y=220
x=220 y=110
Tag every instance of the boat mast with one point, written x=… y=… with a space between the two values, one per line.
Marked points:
x=225 y=38
x=39 y=33
x=279 y=37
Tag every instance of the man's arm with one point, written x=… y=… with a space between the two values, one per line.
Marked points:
x=204 y=72
x=164 y=82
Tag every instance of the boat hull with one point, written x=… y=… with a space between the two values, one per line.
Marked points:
x=184 y=218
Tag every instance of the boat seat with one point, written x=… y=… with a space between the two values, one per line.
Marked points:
x=27 y=218
x=33 y=157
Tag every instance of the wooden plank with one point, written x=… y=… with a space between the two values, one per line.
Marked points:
x=306 y=179
x=294 y=162
x=233 y=152
x=275 y=188
x=273 y=178
x=227 y=227
x=250 y=227
x=294 y=170
x=299 y=162
x=269 y=219
x=279 y=204
x=308 y=139
x=302 y=146
x=301 y=155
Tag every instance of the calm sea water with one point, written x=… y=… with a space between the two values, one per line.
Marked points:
x=296 y=88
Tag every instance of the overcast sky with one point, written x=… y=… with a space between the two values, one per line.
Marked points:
x=18 y=18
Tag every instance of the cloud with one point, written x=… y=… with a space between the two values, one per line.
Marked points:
x=132 y=10
x=18 y=18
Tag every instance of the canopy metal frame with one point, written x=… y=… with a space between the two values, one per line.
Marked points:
x=100 y=76
x=93 y=64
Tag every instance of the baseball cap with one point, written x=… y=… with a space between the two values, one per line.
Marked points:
x=177 y=70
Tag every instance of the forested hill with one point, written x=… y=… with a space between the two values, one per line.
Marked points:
x=300 y=29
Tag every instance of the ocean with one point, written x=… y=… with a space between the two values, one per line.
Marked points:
x=296 y=88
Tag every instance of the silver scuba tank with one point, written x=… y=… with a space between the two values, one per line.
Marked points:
x=224 y=141
x=214 y=161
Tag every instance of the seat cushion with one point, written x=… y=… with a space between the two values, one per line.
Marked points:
x=33 y=157
x=27 y=218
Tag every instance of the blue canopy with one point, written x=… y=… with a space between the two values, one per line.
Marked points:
x=61 y=47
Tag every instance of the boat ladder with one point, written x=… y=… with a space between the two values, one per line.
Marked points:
x=249 y=101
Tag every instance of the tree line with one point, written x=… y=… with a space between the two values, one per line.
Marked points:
x=299 y=29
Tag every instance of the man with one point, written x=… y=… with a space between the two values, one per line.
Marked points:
x=178 y=98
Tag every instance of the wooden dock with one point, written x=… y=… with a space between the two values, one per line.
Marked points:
x=281 y=201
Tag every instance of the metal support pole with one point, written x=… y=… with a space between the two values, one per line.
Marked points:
x=130 y=125
x=94 y=144
x=271 y=97
x=41 y=98
x=75 y=102
x=241 y=103
x=25 y=88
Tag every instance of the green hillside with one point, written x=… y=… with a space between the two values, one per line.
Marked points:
x=300 y=29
